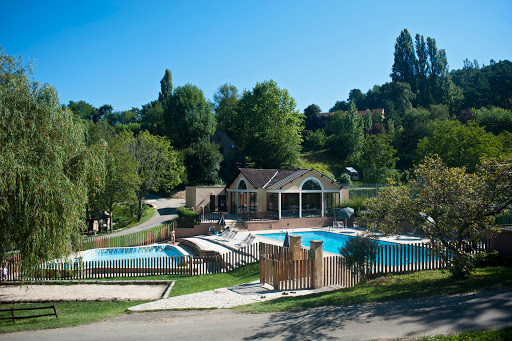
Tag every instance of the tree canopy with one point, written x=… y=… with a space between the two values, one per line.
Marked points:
x=44 y=163
x=270 y=126
x=188 y=117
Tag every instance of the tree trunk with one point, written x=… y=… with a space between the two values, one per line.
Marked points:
x=139 y=213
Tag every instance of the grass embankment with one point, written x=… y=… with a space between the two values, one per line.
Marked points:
x=385 y=288
x=124 y=218
x=322 y=161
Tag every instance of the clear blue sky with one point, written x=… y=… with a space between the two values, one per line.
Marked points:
x=116 y=52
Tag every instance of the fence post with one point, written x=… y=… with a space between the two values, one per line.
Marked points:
x=316 y=255
x=295 y=248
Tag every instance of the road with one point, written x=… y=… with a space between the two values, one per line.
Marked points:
x=401 y=318
x=165 y=212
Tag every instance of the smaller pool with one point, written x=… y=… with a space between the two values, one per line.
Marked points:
x=120 y=253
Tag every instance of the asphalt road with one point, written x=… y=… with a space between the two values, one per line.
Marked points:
x=165 y=212
x=400 y=318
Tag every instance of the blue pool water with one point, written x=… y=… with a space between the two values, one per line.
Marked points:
x=333 y=241
x=159 y=251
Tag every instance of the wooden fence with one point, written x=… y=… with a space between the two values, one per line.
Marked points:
x=279 y=270
x=182 y=265
x=136 y=239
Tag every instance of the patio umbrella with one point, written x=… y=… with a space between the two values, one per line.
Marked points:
x=286 y=240
x=346 y=213
x=221 y=221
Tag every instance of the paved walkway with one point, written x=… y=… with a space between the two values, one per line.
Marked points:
x=164 y=213
x=225 y=297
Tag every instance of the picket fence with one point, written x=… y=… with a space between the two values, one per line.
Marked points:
x=182 y=265
x=279 y=270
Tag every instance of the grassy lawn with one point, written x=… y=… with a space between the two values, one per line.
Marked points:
x=483 y=335
x=385 y=288
x=123 y=218
x=70 y=314
x=322 y=161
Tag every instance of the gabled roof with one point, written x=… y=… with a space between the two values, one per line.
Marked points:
x=272 y=178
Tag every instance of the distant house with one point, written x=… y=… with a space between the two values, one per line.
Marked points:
x=234 y=157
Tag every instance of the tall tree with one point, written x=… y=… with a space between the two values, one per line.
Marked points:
x=346 y=134
x=339 y=106
x=188 y=117
x=165 y=88
x=404 y=66
x=202 y=164
x=314 y=120
x=378 y=159
x=269 y=126
x=43 y=168
x=153 y=118
x=157 y=165
x=225 y=102
x=83 y=109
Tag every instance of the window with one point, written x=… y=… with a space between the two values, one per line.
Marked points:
x=242 y=185
x=290 y=205
x=311 y=185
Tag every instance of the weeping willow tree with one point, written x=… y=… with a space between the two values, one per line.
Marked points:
x=44 y=169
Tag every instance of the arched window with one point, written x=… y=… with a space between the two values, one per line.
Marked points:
x=242 y=185
x=311 y=185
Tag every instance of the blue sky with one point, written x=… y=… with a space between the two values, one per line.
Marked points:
x=116 y=52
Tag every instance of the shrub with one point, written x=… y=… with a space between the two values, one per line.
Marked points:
x=488 y=258
x=184 y=212
x=360 y=253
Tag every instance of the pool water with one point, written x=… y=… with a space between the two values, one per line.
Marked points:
x=159 y=251
x=333 y=241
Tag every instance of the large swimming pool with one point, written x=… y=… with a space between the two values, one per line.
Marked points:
x=333 y=241
x=120 y=253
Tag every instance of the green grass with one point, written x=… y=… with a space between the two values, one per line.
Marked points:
x=322 y=161
x=482 y=335
x=418 y=284
x=70 y=314
x=123 y=217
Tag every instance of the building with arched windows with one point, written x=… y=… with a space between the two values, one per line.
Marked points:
x=284 y=195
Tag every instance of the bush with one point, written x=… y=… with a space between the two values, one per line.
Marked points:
x=488 y=258
x=360 y=253
x=184 y=212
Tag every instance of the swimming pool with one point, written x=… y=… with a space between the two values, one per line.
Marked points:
x=140 y=252
x=333 y=241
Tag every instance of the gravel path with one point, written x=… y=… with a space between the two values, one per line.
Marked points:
x=80 y=292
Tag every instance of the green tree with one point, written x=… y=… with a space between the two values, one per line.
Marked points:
x=345 y=134
x=494 y=119
x=457 y=144
x=269 y=126
x=157 y=165
x=43 y=168
x=314 y=120
x=202 y=163
x=225 y=102
x=339 y=106
x=360 y=253
x=378 y=159
x=188 y=117
x=404 y=66
x=165 y=88
x=449 y=206
x=83 y=110
x=121 y=177
x=153 y=118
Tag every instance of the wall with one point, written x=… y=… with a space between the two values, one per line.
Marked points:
x=202 y=228
x=198 y=196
